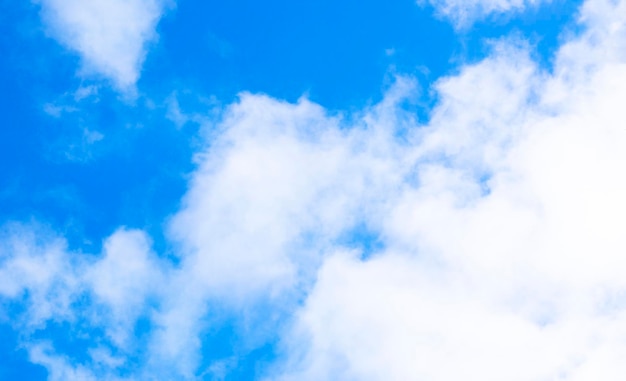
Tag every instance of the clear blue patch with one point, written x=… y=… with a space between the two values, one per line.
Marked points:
x=339 y=53
x=363 y=238
x=241 y=347
x=14 y=363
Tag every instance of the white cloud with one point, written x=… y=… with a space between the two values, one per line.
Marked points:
x=39 y=267
x=506 y=260
x=252 y=197
x=57 y=286
x=399 y=318
x=501 y=222
x=464 y=12
x=59 y=368
x=111 y=36
x=123 y=280
x=280 y=182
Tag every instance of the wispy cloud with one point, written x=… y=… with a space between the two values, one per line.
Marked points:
x=464 y=12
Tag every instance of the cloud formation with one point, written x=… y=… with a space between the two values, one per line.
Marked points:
x=499 y=229
x=111 y=37
x=46 y=286
x=509 y=252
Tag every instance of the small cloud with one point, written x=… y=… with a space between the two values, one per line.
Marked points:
x=111 y=37
x=464 y=12
x=80 y=148
x=56 y=111
x=174 y=112
x=103 y=356
x=178 y=114
x=85 y=92
x=52 y=110
x=91 y=137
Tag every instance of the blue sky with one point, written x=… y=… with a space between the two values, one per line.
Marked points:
x=330 y=190
x=207 y=54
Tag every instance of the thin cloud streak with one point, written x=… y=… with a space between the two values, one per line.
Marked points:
x=464 y=12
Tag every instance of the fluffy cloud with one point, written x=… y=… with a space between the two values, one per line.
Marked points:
x=499 y=221
x=279 y=185
x=498 y=227
x=508 y=254
x=123 y=280
x=110 y=36
x=44 y=285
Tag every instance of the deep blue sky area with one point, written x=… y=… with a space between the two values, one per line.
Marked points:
x=14 y=364
x=336 y=52
x=83 y=167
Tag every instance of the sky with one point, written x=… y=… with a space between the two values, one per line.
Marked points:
x=426 y=190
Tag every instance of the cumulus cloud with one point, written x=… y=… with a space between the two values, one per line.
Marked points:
x=111 y=37
x=505 y=261
x=499 y=229
x=498 y=220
